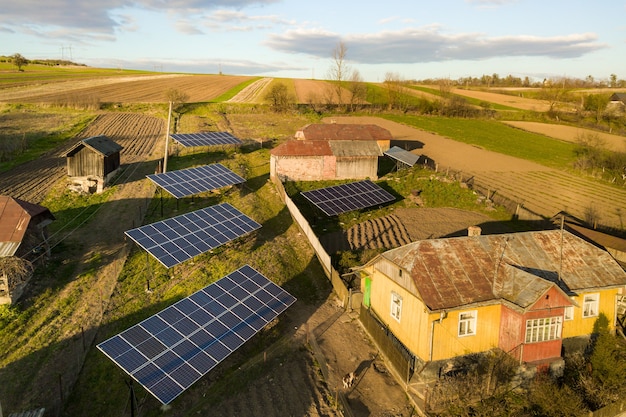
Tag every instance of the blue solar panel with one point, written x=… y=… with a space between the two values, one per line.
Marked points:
x=169 y=351
x=191 y=181
x=348 y=197
x=180 y=238
x=205 y=139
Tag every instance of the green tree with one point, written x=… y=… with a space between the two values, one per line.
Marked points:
x=608 y=360
x=19 y=61
x=279 y=97
x=547 y=398
x=596 y=103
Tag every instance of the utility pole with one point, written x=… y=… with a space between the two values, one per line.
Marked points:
x=167 y=138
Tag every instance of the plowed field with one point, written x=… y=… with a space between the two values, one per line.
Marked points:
x=135 y=132
x=199 y=88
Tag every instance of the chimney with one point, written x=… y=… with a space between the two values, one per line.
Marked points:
x=474 y=231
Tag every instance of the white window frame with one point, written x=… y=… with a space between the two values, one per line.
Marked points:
x=467 y=323
x=396 y=306
x=591 y=305
x=543 y=329
x=568 y=313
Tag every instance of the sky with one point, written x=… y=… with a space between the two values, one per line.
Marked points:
x=411 y=39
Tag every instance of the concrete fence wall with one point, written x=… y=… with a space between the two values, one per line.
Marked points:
x=344 y=294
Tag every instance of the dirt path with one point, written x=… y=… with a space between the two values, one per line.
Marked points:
x=614 y=143
x=447 y=152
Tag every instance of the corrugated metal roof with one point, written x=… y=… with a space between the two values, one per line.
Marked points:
x=351 y=148
x=100 y=144
x=15 y=216
x=302 y=148
x=458 y=271
x=338 y=131
x=402 y=155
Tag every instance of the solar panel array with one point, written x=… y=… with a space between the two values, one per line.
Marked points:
x=402 y=155
x=347 y=197
x=205 y=139
x=179 y=238
x=168 y=352
x=191 y=181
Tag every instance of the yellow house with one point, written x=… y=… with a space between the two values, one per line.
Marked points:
x=520 y=292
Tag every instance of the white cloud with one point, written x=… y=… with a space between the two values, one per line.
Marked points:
x=430 y=44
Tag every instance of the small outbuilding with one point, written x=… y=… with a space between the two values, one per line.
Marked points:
x=314 y=160
x=330 y=151
x=92 y=162
x=23 y=236
x=346 y=131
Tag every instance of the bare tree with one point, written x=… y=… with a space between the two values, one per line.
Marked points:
x=339 y=70
x=357 y=88
x=177 y=98
x=19 y=61
x=393 y=84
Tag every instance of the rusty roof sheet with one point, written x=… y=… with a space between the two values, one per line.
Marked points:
x=15 y=216
x=338 y=131
x=352 y=148
x=453 y=272
x=302 y=148
x=100 y=144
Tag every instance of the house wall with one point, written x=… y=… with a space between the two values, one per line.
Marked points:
x=540 y=351
x=448 y=343
x=357 y=168
x=582 y=326
x=301 y=168
x=412 y=330
x=512 y=333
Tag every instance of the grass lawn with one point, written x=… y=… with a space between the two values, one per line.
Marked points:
x=497 y=137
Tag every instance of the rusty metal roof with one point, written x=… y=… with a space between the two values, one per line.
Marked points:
x=15 y=216
x=454 y=272
x=100 y=144
x=302 y=148
x=338 y=131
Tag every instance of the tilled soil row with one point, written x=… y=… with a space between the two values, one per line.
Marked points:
x=383 y=232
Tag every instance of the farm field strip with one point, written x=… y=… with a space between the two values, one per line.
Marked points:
x=541 y=195
x=614 y=143
x=564 y=180
x=252 y=93
x=55 y=86
x=199 y=88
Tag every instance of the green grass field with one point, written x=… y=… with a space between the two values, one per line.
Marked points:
x=497 y=137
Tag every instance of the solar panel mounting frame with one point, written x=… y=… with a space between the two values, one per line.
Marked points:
x=177 y=239
x=205 y=139
x=189 y=181
x=343 y=198
x=169 y=351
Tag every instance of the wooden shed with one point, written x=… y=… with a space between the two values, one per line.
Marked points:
x=92 y=162
x=23 y=236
